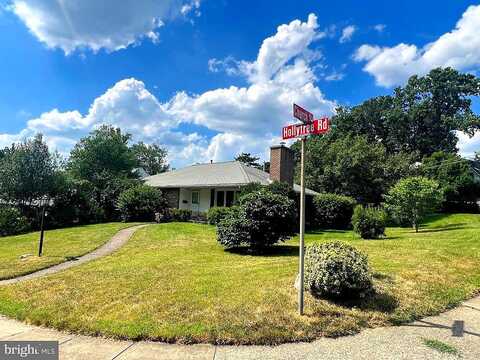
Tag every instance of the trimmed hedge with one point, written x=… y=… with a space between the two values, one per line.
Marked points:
x=216 y=214
x=369 y=222
x=181 y=215
x=171 y=214
x=333 y=211
x=337 y=270
x=12 y=222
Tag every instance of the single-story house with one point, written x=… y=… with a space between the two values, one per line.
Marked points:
x=202 y=186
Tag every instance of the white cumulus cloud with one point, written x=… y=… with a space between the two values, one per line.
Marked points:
x=91 y=24
x=237 y=119
x=459 y=48
x=347 y=33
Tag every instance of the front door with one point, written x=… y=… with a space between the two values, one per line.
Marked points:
x=195 y=202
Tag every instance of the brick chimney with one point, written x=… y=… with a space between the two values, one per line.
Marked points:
x=282 y=164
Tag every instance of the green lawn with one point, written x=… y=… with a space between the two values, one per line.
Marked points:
x=172 y=282
x=58 y=246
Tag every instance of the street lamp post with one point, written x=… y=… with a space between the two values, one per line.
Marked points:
x=42 y=225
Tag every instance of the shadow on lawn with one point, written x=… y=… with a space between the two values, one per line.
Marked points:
x=458 y=226
x=277 y=250
x=375 y=301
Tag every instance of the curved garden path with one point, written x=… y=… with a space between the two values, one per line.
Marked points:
x=116 y=242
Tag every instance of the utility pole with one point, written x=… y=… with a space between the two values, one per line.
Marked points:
x=302 y=229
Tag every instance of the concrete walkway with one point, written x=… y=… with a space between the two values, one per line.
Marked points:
x=116 y=242
x=402 y=342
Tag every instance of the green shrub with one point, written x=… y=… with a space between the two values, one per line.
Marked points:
x=262 y=219
x=215 y=214
x=337 y=270
x=282 y=188
x=12 y=222
x=369 y=222
x=140 y=203
x=232 y=230
x=333 y=211
x=181 y=215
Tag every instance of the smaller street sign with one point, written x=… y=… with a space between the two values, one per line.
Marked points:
x=319 y=126
x=302 y=114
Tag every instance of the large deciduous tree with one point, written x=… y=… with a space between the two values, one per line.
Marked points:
x=27 y=172
x=353 y=166
x=151 y=158
x=104 y=160
x=420 y=118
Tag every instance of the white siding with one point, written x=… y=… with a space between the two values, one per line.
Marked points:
x=186 y=199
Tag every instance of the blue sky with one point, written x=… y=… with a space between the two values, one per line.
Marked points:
x=208 y=79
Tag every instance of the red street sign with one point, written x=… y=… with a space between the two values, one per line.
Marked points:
x=319 y=126
x=302 y=114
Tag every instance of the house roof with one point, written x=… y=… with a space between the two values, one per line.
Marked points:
x=220 y=174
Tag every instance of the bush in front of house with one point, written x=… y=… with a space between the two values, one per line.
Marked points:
x=333 y=211
x=337 y=270
x=180 y=215
x=262 y=219
x=216 y=214
x=140 y=203
x=171 y=214
x=369 y=222
x=282 y=188
x=232 y=230
x=12 y=222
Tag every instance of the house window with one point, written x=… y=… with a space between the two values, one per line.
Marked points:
x=195 y=197
x=229 y=198
x=220 y=198
x=212 y=197
x=226 y=198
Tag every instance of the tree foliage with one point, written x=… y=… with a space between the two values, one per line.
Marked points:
x=353 y=166
x=12 y=222
x=105 y=161
x=413 y=198
x=249 y=160
x=151 y=158
x=455 y=177
x=27 y=172
x=420 y=118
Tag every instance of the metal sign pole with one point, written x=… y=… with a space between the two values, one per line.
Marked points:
x=302 y=229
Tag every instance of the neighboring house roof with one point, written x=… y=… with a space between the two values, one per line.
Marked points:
x=221 y=174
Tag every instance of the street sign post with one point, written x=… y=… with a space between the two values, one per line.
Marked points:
x=319 y=126
x=309 y=127
x=302 y=114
